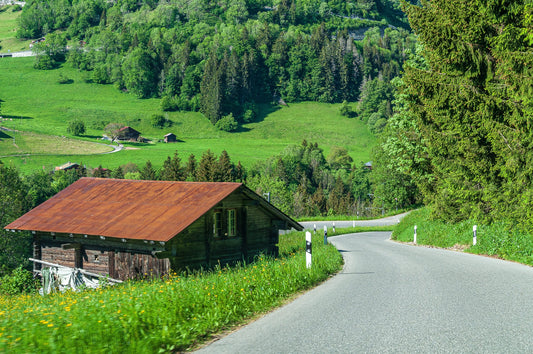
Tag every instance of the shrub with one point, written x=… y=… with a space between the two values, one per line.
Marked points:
x=227 y=123
x=159 y=121
x=20 y=281
x=346 y=110
x=76 y=127
x=64 y=79
x=248 y=116
x=44 y=62
x=169 y=104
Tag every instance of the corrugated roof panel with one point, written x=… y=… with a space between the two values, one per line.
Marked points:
x=149 y=210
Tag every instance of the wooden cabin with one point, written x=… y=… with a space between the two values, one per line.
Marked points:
x=128 y=133
x=67 y=166
x=130 y=229
x=170 y=138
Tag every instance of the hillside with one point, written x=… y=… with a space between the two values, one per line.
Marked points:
x=278 y=71
x=46 y=106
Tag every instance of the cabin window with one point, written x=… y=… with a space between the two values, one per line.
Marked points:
x=232 y=222
x=225 y=223
x=217 y=223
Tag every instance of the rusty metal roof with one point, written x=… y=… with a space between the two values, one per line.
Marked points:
x=146 y=210
x=130 y=209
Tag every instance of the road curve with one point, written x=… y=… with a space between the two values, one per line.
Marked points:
x=390 y=220
x=396 y=298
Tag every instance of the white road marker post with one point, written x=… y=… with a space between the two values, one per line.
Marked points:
x=333 y=227
x=325 y=235
x=414 y=238
x=474 y=241
x=314 y=228
x=354 y=223
x=308 y=250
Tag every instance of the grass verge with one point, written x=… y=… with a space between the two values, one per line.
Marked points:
x=498 y=239
x=166 y=315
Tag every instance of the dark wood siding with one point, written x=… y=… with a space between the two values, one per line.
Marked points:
x=101 y=257
x=257 y=231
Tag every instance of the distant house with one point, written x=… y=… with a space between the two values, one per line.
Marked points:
x=128 y=133
x=67 y=166
x=368 y=165
x=170 y=138
x=130 y=229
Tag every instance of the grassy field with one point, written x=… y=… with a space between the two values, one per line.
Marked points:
x=8 y=31
x=17 y=143
x=163 y=315
x=34 y=101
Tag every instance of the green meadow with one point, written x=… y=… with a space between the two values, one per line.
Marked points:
x=34 y=101
x=8 y=31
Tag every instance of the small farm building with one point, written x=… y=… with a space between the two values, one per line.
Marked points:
x=129 y=229
x=67 y=166
x=170 y=138
x=128 y=133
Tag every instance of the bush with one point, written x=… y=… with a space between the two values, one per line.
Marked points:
x=76 y=127
x=20 y=281
x=64 y=79
x=346 y=110
x=44 y=62
x=248 y=116
x=169 y=104
x=159 y=121
x=227 y=123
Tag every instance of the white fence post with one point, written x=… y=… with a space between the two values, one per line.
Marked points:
x=474 y=241
x=308 y=250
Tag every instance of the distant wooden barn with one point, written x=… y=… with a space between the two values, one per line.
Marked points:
x=67 y=166
x=131 y=229
x=170 y=138
x=128 y=133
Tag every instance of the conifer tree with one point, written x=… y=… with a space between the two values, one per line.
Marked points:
x=172 y=169
x=190 y=169
x=207 y=167
x=225 y=169
x=148 y=172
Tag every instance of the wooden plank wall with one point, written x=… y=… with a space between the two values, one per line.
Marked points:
x=98 y=259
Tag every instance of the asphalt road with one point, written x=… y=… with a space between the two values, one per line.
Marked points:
x=390 y=220
x=395 y=298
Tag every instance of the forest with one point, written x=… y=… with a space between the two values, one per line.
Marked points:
x=223 y=58
x=462 y=128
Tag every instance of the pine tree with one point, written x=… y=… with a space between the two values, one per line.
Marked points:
x=190 y=169
x=172 y=170
x=118 y=173
x=225 y=169
x=148 y=172
x=206 y=171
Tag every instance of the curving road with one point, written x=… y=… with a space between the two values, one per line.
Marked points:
x=396 y=298
x=390 y=220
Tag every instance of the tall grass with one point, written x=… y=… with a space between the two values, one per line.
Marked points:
x=498 y=239
x=169 y=314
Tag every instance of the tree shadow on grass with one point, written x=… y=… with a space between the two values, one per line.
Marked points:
x=9 y=116
x=94 y=137
x=4 y=135
x=264 y=111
